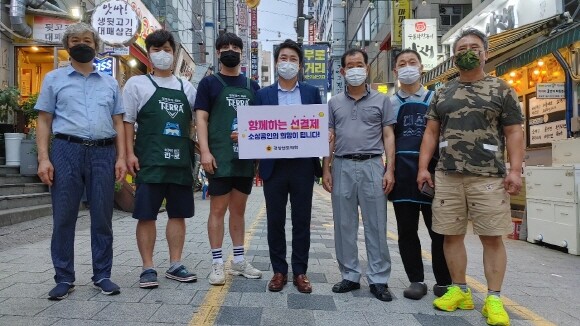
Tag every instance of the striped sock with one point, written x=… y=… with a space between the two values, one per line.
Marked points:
x=217 y=256
x=238 y=254
x=496 y=293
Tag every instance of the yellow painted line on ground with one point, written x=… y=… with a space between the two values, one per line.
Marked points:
x=215 y=297
x=479 y=287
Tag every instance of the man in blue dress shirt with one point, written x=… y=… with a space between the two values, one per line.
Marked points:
x=83 y=109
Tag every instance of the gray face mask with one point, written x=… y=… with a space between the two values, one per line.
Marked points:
x=356 y=76
x=287 y=70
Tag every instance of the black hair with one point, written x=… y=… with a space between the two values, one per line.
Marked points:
x=354 y=52
x=289 y=44
x=473 y=32
x=408 y=51
x=158 y=38
x=227 y=39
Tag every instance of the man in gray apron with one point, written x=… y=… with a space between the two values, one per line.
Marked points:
x=161 y=105
x=230 y=179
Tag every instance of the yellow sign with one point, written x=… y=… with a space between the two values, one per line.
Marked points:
x=252 y=3
x=383 y=88
x=400 y=13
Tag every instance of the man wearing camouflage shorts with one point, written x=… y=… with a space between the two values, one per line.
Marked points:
x=473 y=118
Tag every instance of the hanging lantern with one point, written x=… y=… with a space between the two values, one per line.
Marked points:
x=252 y=3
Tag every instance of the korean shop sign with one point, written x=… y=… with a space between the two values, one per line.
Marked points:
x=421 y=36
x=116 y=22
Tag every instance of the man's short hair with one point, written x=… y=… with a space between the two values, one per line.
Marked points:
x=289 y=44
x=228 y=38
x=158 y=38
x=352 y=52
x=80 y=28
x=471 y=32
x=408 y=51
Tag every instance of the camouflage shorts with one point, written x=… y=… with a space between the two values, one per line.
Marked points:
x=459 y=198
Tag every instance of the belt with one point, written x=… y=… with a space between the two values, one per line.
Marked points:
x=86 y=142
x=358 y=157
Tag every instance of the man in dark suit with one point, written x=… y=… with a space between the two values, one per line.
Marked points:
x=294 y=177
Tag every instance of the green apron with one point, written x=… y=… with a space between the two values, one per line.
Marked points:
x=221 y=118
x=162 y=144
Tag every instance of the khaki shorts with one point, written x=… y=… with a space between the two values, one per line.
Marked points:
x=461 y=197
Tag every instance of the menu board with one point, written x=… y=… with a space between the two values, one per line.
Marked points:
x=546 y=120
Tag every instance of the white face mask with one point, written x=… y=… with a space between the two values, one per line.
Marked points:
x=356 y=76
x=161 y=60
x=408 y=75
x=287 y=70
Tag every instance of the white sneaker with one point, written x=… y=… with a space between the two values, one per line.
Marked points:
x=245 y=269
x=217 y=275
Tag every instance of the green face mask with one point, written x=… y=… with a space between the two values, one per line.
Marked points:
x=467 y=60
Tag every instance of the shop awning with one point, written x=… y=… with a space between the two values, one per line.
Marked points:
x=498 y=44
x=557 y=41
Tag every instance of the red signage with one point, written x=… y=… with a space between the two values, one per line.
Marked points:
x=420 y=27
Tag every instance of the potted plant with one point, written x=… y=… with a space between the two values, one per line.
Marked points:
x=28 y=152
x=9 y=98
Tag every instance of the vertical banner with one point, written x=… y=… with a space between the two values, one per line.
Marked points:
x=243 y=31
x=315 y=66
x=254 y=24
x=311 y=32
x=401 y=12
x=254 y=49
x=421 y=36
x=337 y=79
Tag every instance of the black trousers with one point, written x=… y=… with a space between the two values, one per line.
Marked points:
x=294 y=178
x=407 y=214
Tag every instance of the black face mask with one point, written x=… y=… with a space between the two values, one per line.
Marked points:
x=230 y=58
x=82 y=53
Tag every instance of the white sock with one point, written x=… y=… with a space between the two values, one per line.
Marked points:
x=217 y=256
x=238 y=254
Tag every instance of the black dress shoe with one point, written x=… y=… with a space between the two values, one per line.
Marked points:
x=381 y=292
x=345 y=286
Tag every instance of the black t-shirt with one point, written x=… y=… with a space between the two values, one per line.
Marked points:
x=210 y=87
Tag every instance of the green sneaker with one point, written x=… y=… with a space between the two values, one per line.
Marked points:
x=454 y=298
x=495 y=312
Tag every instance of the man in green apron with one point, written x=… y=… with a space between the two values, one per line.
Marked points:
x=161 y=105
x=230 y=179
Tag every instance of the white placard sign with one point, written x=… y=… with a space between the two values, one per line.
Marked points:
x=421 y=36
x=116 y=22
x=540 y=107
x=289 y=131
x=548 y=132
x=550 y=90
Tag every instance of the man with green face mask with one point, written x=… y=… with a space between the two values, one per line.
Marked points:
x=473 y=119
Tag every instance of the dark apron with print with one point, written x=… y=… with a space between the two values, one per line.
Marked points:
x=163 y=141
x=221 y=118
x=408 y=136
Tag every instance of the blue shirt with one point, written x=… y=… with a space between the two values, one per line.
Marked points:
x=289 y=97
x=81 y=106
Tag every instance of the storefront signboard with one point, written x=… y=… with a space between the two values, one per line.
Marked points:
x=105 y=65
x=50 y=29
x=550 y=90
x=116 y=22
x=502 y=15
x=184 y=64
x=421 y=36
x=116 y=50
x=547 y=120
